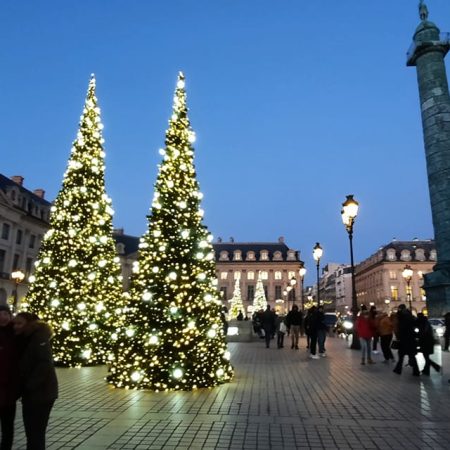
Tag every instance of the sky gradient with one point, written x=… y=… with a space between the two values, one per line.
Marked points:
x=295 y=104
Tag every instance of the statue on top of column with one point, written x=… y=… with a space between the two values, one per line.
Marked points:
x=423 y=11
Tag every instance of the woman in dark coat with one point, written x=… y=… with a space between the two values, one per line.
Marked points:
x=37 y=377
x=8 y=378
x=406 y=335
x=426 y=343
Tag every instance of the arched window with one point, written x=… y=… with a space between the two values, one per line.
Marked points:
x=264 y=275
x=237 y=275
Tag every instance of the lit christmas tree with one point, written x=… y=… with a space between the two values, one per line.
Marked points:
x=236 y=304
x=174 y=338
x=259 y=301
x=77 y=284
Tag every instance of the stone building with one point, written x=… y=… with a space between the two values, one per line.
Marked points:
x=127 y=249
x=24 y=219
x=335 y=287
x=379 y=279
x=277 y=263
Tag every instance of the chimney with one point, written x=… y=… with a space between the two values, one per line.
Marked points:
x=281 y=240
x=39 y=193
x=18 y=179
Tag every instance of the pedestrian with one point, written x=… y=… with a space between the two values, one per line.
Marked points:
x=373 y=317
x=385 y=330
x=9 y=372
x=281 y=328
x=322 y=330
x=240 y=316
x=406 y=336
x=306 y=327
x=313 y=331
x=426 y=343
x=294 y=321
x=38 y=384
x=268 y=324
x=365 y=330
x=256 y=321
x=447 y=331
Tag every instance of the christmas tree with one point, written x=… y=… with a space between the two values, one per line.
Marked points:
x=236 y=301
x=259 y=301
x=174 y=338
x=77 y=283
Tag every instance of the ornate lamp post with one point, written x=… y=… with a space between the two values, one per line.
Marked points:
x=349 y=212
x=18 y=277
x=407 y=275
x=302 y=273
x=317 y=254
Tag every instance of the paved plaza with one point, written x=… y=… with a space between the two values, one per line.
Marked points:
x=279 y=399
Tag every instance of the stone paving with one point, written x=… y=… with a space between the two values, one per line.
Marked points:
x=279 y=399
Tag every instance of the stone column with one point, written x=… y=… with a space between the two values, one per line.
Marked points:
x=427 y=54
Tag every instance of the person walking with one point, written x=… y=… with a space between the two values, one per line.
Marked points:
x=373 y=317
x=385 y=331
x=313 y=331
x=406 y=324
x=426 y=343
x=365 y=330
x=268 y=324
x=280 y=330
x=9 y=372
x=447 y=331
x=306 y=328
x=322 y=331
x=294 y=321
x=37 y=377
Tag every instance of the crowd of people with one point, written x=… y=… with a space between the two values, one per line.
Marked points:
x=26 y=373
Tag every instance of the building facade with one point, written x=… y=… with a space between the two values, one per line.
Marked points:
x=335 y=287
x=24 y=217
x=379 y=280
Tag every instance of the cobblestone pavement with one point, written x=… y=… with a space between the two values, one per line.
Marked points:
x=279 y=399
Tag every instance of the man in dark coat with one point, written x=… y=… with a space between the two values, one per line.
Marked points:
x=447 y=331
x=426 y=343
x=294 y=320
x=406 y=335
x=9 y=373
x=268 y=324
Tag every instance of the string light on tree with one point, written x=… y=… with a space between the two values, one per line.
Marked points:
x=77 y=285
x=174 y=310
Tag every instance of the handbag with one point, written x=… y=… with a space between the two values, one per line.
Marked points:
x=395 y=344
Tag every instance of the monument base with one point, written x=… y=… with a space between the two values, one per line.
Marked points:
x=437 y=288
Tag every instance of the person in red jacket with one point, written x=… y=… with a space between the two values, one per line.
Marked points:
x=9 y=372
x=365 y=330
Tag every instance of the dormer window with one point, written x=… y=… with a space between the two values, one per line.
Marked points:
x=278 y=256
x=291 y=255
x=264 y=256
x=250 y=256
x=390 y=254
x=237 y=255
x=420 y=254
x=405 y=255
x=120 y=248
x=433 y=255
x=223 y=255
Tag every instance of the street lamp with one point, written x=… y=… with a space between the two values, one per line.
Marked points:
x=407 y=275
x=302 y=273
x=317 y=254
x=349 y=212
x=18 y=277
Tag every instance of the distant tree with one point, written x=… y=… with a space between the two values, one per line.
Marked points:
x=259 y=301
x=236 y=301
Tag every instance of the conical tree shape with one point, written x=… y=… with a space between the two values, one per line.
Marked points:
x=175 y=335
x=236 y=301
x=77 y=284
x=259 y=301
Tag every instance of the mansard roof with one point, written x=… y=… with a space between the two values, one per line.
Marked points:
x=6 y=184
x=130 y=243
x=256 y=247
x=426 y=245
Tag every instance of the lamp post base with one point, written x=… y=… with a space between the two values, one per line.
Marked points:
x=356 y=345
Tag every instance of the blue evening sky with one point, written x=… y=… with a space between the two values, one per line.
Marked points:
x=295 y=104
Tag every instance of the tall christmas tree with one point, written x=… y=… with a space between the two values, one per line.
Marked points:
x=236 y=301
x=259 y=301
x=175 y=334
x=77 y=284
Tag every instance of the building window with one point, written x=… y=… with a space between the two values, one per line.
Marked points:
x=278 y=294
x=250 y=275
x=394 y=292
x=5 y=231
x=223 y=256
x=420 y=274
x=2 y=260
x=391 y=254
x=223 y=293
x=278 y=256
x=433 y=255
x=420 y=254
x=264 y=275
x=15 y=265
x=250 y=256
x=19 y=237
x=28 y=266
x=223 y=275
x=120 y=248
x=237 y=256
x=264 y=255
x=13 y=195
x=392 y=275
x=405 y=255
x=291 y=255
x=250 y=292
x=237 y=275
x=278 y=275
x=291 y=275
x=32 y=241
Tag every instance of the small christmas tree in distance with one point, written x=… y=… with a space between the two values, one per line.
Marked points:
x=77 y=284
x=236 y=300
x=174 y=337
x=259 y=301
